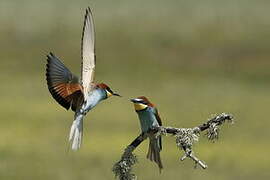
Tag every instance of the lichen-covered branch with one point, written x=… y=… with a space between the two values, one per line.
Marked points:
x=185 y=138
x=123 y=168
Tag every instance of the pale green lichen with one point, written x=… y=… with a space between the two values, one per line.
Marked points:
x=213 y=132
x=161 y=131
x=123 y=168
x=186 y=137
x=214 y=127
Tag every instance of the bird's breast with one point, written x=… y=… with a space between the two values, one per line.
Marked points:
x=92 y=100
x=147 y=120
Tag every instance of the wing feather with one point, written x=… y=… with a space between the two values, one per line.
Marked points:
x=160 y=123
x=88 y=53
x=62 y=84
x=158 y=117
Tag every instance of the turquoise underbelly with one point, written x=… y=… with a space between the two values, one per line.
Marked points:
x=147 y=119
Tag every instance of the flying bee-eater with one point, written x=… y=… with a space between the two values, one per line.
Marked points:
x=149 y=119
x=66 y=88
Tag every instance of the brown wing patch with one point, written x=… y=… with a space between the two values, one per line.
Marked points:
x=62 y=84
x=158 y=117
x=160 y=123
x=66 y=94
x=66 y=89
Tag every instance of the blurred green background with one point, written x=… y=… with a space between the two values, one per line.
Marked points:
x=191 y=58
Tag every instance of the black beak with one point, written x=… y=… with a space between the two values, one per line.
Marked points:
x=115 y=94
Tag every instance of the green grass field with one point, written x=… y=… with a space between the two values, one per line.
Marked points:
x=192 y=59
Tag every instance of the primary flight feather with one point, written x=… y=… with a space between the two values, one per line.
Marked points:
x=88 y=53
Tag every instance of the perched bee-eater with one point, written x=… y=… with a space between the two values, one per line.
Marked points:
x=149 y=118
x=69 y=92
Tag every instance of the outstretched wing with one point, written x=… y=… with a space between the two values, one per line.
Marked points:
x=88 y=53
x=62 y=84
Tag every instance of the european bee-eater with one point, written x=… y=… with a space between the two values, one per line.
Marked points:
x=66 y=88
x=149 y=118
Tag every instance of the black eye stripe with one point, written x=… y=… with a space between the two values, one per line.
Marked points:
x=108 y=89
x=142 y=102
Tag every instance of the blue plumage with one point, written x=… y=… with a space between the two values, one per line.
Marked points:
x=149 y=118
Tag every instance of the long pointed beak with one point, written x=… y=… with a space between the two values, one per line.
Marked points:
x=115 y=94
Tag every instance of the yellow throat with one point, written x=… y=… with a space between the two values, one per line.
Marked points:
x=139 y=106
x=108 y=94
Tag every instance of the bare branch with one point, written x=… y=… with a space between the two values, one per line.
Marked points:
x=185 y=138
x=189 y=154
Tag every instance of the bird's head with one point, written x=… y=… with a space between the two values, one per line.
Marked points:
x=141 y=103
x=107 y=90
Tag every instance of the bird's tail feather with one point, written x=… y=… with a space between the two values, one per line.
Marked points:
x=76 y=132
x=154 y=151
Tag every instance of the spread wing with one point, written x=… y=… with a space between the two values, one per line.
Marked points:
x=62 y=84
x=88 y=53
